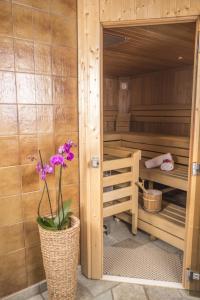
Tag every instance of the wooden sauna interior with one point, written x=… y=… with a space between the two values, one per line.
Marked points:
x=147 y=105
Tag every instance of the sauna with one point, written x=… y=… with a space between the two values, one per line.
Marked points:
x=147 y=112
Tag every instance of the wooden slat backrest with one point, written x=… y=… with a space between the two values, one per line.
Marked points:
x=153 y=145
x=121 y=171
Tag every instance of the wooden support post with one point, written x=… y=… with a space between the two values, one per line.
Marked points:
x=135 y=169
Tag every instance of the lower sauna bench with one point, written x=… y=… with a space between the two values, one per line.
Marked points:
x=167 y=225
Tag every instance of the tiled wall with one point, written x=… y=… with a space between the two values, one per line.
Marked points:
x=38 y=110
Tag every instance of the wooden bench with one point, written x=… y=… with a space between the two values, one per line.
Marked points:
x=169 y=224
x=153 y=145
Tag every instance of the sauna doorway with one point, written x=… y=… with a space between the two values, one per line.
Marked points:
x=147 y=108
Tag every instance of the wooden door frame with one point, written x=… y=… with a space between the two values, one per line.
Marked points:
x=90 y=87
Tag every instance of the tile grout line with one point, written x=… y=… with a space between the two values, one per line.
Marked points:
x=146 y=294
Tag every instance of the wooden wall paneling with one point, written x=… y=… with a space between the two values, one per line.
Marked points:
x=147 y=9
x=90 y=137
x=145 y=49
x=161 y=101
x=124 y=96
x=153 y=99
x=110 y=103
x=128 y=9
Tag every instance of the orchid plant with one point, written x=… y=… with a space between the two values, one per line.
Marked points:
x=61 y=219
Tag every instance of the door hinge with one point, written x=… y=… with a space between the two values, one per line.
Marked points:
x=191 y=275
x=195 y=168
x=95 y=162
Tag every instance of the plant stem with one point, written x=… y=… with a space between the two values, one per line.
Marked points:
x=62 y=204
x=58 y=199
x=40 y=202
x=60 y=187
x=46 y=185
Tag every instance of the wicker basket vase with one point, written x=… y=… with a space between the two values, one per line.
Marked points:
x=60 y=251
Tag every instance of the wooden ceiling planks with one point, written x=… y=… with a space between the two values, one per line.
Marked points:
x=149 y=48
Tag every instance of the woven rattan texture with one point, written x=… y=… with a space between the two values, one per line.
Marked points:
x=60 y=251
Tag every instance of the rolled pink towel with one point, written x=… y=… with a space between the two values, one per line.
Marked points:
x=157 y=161
x=167 y=165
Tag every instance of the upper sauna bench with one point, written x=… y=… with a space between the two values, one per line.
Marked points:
x=153 y=145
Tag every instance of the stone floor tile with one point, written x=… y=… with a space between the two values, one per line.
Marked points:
x=43 y=286
x=83 y=293
x=186 y=295
x=96 y=287
x=129 y=291
x=141 y=237
x=167 y=247
x=37 y=297
x=25 y=294
x=120 y=231
x=109 y=240
x=105 y=296
x=45 y=295
x=158 y=293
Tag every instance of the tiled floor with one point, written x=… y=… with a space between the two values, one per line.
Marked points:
x=107 y=290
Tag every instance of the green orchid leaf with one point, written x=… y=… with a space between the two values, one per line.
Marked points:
x=66 y=222
x=63 y=213
x=46 y=223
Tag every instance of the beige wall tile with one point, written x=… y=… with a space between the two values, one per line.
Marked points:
x=44 y=5
x=60 y=61
x=9 y=151
x=8 y=119
x=11 y=210
x=6 y=54
x=12 y=238
x=24 y=60
x=6 y=18
x=42 y=54
x=46 y=144
x=65 y=119
x=30 y=179
x=64 y=91
x=25 y=88
x=45 y=119
x=31 y=233
x=43 y=88
x=72 y=192
x=13 y=272
x=63 y=31
x=10 y=181
x=30 y=203
x=28 y=148
x=35 y=275
x=23 y=23
x=27 y=119
x=64 y=7
x=42 y=26
x=7 y=87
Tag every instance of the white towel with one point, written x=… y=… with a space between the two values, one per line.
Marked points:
x=167 y=165
x=157 y=161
